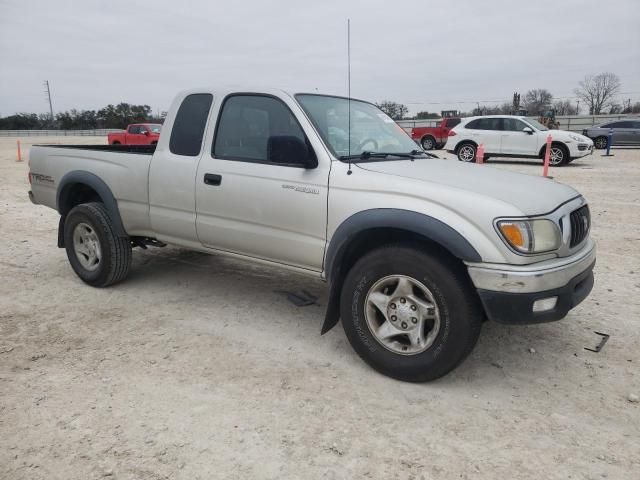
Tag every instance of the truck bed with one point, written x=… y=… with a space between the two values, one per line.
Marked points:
x=123 y=168
x=138 y=149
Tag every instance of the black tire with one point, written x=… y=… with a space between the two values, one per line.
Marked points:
x=113 y=266
x=115 y=142
x=562 y=150
x=440 y=146
x=600 y=142
x=428 y=143
x=461 y=313
x=463 y=150
x=154 y=142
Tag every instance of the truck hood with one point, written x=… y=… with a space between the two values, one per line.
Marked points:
x=532 y=195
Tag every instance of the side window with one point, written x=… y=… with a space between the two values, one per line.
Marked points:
x=143 y=129
x=452 y=122
x=635 y=124
x=134 y=129
x=189 y=125
x=617 y=125
x=256 y=128
x=512 y=125
x=484 y=124
x=494 y=123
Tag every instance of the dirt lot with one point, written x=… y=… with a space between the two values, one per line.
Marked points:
x=196 y=368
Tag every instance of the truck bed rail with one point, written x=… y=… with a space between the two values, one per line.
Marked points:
x=138 y=149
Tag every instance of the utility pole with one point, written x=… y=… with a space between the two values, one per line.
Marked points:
x=48 y=92
x=577 y=107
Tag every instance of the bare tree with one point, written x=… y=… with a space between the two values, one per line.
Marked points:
x=598 y=91
x=537 y=100
x=395 y=110
x=565 y=107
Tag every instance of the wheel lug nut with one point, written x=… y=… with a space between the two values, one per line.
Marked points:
x=404 y=325
x=393 y=318
x=402 y=300
x=393 y=306
x=413 y=307
x=414 y=320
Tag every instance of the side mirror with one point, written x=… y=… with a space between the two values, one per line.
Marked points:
x=146 y=132
x=528 y=130
x=290 y=150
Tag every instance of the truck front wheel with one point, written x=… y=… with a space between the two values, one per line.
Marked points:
x=96 y=253
x=410 y=314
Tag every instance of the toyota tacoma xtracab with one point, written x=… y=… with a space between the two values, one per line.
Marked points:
x=417 y=251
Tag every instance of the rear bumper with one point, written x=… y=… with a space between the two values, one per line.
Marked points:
x=509 y=295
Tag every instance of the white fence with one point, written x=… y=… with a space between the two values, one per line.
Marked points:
x=574 y=123
x=98 y=132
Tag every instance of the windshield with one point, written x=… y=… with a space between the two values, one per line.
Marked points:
x=536 y=124
x=155 y=128
x=371 y=129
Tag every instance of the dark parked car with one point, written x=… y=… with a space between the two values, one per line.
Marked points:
x=625 y=132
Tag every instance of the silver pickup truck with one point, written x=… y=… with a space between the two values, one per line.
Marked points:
x=417 y=251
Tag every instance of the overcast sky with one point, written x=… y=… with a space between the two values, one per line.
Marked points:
x=426 y=54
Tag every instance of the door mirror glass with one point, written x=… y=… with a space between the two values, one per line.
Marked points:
x=528 y=130
x=290 y=150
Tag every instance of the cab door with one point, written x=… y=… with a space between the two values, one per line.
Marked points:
x=515 y=141
x=486 y=131
x=134 y=135
x=257 y=193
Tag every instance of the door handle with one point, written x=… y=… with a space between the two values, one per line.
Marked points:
x=212 y=179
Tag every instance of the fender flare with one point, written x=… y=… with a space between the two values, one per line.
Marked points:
x=421 y=224
x=102 y=189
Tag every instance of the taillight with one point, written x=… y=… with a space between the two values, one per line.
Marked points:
x=452 y=133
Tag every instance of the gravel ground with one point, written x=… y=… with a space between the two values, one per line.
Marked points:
x=196 y=368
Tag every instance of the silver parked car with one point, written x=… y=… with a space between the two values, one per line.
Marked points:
x=625 y=132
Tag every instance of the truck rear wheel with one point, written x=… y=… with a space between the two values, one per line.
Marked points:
x=428 y=143
x=410 y=314
x=97 y=255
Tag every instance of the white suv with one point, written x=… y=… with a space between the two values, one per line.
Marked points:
x=511 y=136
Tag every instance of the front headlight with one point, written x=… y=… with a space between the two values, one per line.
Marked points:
x=531 y=236
x=576 y=138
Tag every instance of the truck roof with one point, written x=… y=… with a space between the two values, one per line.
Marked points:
x=223 y=91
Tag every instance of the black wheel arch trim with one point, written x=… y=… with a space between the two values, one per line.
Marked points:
x=99 y=186
x=418 y=223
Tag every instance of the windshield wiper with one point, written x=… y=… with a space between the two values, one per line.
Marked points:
x=366 y=155
x=422 y=152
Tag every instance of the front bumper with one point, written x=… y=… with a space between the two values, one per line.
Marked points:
x=508 y=293
x=577 y=150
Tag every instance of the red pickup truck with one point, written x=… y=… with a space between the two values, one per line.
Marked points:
x=136 y=134
x=433 y=133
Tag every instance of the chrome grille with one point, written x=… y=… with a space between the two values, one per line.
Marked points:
x=580 y=224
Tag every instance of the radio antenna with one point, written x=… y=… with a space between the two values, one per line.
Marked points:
x=349 y=90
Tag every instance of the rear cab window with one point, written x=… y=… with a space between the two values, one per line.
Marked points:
x=189 y=125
